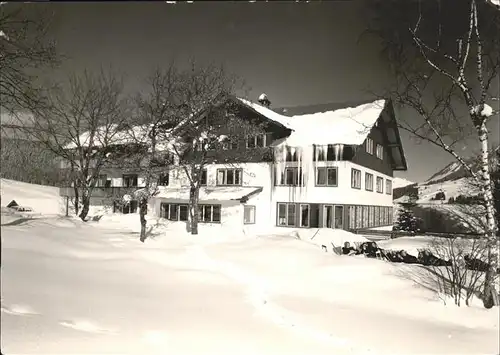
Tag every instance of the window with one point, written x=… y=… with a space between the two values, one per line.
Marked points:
x=326 y=176
x=359 y=217
x=380 y=151
x=380 y=185
x=130 y=180
x=207 y=144
x=229 y=176
x=228 y=144
x=130 y=207
x=304 y=215
x=377 y=216
x=248 y=214
x=183 y=212
x=292 y=176
x=174 y=211
x=356 y=179
x=368 y=182
x=286 y=214
x=163 y=179
x=203 y=179
x=371 y=216
x=388 y=187
x=291 y=155
x=209 y=213
x=352 y=217
x=369 y=146
x=366 y=214
x=101 y=180
x=258 y=141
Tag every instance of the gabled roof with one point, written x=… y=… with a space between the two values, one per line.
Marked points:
x=337 y=124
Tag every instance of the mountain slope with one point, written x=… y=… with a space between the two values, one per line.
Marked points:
x=455 y=170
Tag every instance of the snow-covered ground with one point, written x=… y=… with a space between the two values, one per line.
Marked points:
x=92 y=288
x=42 y=199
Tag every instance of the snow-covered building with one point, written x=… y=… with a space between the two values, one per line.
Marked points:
x=323 y=166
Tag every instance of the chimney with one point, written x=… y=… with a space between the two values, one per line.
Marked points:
x=264 y=101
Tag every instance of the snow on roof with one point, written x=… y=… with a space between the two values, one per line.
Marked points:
x=349 y=125
x=108 y=135
x=206 y=193
x=266 y=112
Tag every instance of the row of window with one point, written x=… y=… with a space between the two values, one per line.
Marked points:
x=180 y=212
x=129 y=180
x=369 y=216
x=328 y=176
x=332 y=216
x=330 y=152
x=291 y=176
x=356 y=182
x=206 y=213
x=257 y=141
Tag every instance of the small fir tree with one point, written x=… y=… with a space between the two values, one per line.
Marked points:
x=406 y=222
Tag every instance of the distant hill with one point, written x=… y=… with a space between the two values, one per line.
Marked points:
x=400 y=182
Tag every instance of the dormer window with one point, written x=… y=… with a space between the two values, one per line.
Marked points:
x=380 y=152
x=257 y=141
x=369 y=145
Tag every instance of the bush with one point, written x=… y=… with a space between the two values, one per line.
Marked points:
x=468 y=200
x=440 y=196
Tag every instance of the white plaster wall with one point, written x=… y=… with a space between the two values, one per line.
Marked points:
x=342 y=194
x=254 y=174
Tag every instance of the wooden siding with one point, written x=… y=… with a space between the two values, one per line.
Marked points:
x=371 y=161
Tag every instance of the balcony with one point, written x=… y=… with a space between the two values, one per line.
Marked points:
x=101 y=192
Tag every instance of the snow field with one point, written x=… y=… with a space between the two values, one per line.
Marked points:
x=94 y=287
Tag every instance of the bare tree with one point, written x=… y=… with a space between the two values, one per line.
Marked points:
x=445 y=66
x=28 y=161
x=191 y=115
x=81 y=124
x=454 y=267
x=153 y=110
x=24 y=51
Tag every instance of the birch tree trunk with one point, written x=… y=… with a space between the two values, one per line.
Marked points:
x=487 y=191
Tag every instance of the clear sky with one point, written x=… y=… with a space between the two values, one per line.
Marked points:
x=297 y=53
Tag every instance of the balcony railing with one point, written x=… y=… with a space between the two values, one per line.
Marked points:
x=101 y=192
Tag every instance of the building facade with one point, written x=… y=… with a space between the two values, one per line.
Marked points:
x=343 y=183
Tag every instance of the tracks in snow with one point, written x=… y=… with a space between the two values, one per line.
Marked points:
x=257 y=294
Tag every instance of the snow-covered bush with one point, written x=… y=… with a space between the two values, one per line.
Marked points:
x=463 y=278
